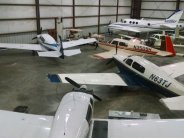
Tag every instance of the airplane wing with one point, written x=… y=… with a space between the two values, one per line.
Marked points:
x=174 y=70
x=111 y=53
x=174 y=103
x=132 y=29
x=82 y=41
x=58 y=54
x=155 y=128
x=90 y=78
x=34 y=47
x=20 y=125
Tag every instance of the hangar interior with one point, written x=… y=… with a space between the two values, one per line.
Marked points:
x=23 y=77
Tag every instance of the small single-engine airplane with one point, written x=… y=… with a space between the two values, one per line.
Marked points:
x=73 y=119
x=137 y=71
x=48 y=47
x=135 y=25
x=135 y=46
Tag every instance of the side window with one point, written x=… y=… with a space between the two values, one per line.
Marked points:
x=129 y=61
x=89 y=114
x=114 y=42
x=123 y=44
x=138 y=67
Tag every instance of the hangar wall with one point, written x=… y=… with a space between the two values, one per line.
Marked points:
x=160 y=9
x=18 y=17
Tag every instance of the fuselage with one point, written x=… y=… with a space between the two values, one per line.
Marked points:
x=154 y=24
x=73 y=116
x=139 y=71
x=48 y=42
x=134 y=45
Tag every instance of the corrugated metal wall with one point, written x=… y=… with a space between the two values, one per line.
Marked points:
x=86 y=16
x=159 y=9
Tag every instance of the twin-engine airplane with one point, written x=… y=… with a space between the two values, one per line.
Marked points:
x=73 y=119
x=135 y=46
x=48 y=47
x=134 y=25
x=137 y=71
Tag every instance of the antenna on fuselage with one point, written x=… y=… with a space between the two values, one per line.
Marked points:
x=82 y=88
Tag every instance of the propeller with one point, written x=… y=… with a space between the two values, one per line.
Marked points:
x=83 y=88
x=40 y=32
x=61 y=48
x=96 y=45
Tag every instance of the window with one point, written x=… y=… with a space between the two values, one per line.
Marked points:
x=130 y=22
x=148 y=24
x=123 y=44
x=133 y=22
x=129 y=61
x=114 y=42
x=89 y=113
x=124 y=21
x=136 y=22
x=157 y=36
x=138 y=67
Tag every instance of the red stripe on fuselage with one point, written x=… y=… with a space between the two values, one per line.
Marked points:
x=131 y=49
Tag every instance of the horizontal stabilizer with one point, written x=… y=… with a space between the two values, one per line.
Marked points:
x=112 y=79
x=175 y=103
x=50 y=54
x=72 y=52
x=82 y=41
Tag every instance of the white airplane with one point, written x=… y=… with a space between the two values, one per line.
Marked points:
x=137 y=71
x=48 y=47
x=135 y=47
x=73 y=119
x=135 y=25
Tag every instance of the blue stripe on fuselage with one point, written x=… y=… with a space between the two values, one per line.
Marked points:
x=132 y=78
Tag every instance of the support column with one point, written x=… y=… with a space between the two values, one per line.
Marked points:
x=136 y=9
x=117 y=10
x=73 y=13
x=37 y=16
x=177 y=4
x=99 y=5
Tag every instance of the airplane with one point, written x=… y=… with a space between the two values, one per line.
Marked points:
x=137 y=71
x=48 y=47
x=134 y=46
x=138 y=26
x=73 y=119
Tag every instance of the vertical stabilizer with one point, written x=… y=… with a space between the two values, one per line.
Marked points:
x=175 y=17
x=167 y=45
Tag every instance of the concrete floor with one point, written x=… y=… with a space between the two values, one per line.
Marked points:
x=23 y=80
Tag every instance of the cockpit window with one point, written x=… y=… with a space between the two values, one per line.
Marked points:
x=138 y=67
x=114 y=42
x=157 y=36
x=43 y=40
x=129 y=61
x=123 y=44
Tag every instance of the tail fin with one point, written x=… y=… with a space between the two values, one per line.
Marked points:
x=167 y=45
x=175 y=17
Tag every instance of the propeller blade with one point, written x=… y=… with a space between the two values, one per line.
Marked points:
x=61 y=48
x=110 y=22
x=96 y=97
x=34 y=38
x=96 y=45
x=40 y=31
x=72 y=82
x=109 y=61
